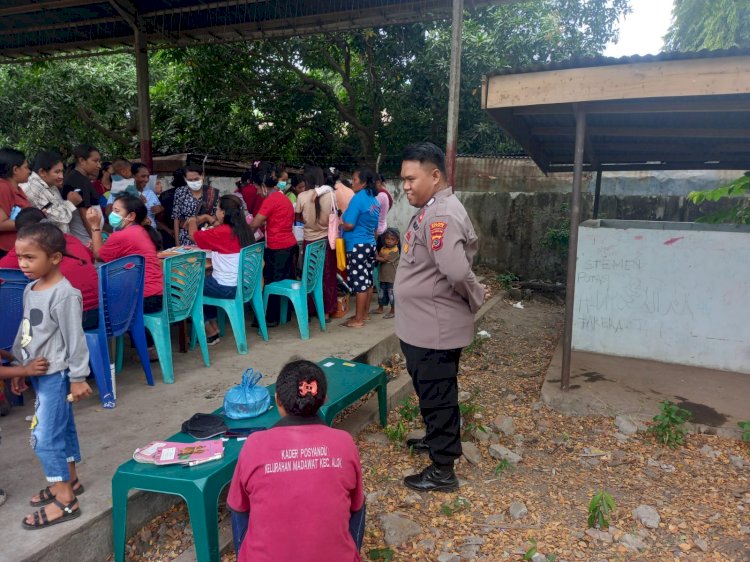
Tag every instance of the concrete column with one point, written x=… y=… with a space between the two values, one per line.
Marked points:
x=575 y=215
x=454 y=89
x=144 y=101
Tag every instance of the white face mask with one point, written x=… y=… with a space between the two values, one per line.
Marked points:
x=195 y=185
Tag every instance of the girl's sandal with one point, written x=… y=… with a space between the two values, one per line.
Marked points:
x=40 y=517
x=389 y=315
x=46 y=496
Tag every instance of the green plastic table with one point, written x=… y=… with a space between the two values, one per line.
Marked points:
x=201 y=485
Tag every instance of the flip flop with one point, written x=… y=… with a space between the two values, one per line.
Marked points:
x=46 y=496
x=389 y=315
x=40 y=517
x=347 y=325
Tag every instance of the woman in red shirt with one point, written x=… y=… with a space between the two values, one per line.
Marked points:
x=77 y=266
x=130 y=238
x=14 y=169
x=225 y=241
x=277 y=213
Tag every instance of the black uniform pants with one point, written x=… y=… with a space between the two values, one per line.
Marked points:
x=433 y=373
x=278 y=265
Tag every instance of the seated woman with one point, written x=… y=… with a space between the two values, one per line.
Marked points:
x=225 y=241
x=129 y=238
x=77 y=266
x=323 y=489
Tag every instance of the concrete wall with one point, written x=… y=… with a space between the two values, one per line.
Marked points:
x=673 y=292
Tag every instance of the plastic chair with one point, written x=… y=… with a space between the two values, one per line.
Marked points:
x=120 y=311
x=183 y=298
x=12 y=284
x=297 y=291
x=249 y=289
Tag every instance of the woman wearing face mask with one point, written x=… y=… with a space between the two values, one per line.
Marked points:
x=43 y=190
x=130 y=238
x=195 y=200
x=292 y=189
x=14 y=170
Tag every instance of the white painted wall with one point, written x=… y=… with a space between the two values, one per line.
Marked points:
x=672 y=292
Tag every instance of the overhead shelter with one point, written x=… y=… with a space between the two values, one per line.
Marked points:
x=673 y=111
x=33 y=30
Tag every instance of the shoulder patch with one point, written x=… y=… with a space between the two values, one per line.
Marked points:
x=437 y=230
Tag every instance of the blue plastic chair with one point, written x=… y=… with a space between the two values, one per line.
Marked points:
x=183 y=298
x=12 y=284
x=120 y=311
x=297 y=291
x=249 y=289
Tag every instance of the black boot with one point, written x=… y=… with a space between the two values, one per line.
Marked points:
x=433 y=478
x=418 y=445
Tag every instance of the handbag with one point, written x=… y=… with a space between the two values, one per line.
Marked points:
x=333 y=223
x=247 y=399
x=340 y=254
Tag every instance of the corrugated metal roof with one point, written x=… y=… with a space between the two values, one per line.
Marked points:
x=589 y=62
x=46 y=27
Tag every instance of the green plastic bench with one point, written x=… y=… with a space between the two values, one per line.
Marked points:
x=200 y=486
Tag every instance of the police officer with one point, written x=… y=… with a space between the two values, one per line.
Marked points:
x=437 y=295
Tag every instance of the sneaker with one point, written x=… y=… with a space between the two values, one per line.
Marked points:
x=213 y=340
x=433 y=478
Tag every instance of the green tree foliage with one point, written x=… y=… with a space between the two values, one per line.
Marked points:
x=337 y=99
x=718 y=24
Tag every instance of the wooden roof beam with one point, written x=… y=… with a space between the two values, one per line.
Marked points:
x=673 y=79
x=649 y=132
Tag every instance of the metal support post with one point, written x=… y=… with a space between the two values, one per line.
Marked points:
x=575 y=214
x=454 y=89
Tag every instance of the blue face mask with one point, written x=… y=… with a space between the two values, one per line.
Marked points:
x=281 y=185
x=115 y=220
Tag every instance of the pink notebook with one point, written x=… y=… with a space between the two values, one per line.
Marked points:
x=167 y=452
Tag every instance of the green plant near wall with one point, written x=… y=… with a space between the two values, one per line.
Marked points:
x=558 y=235
x=736 y=214
x=670 y=421
x=745 y=429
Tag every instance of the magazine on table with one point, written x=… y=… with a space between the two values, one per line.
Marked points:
x=169 y=452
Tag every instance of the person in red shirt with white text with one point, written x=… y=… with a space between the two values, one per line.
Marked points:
x=77 y=266
x=225 y=241
x=277 y=213
x=297 y=489
x=129 y=238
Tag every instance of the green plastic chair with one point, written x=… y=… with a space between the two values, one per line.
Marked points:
x=297 y=291
x=249 y=289
x=183 y=298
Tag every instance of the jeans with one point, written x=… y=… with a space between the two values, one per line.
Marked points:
x=54 y=438
x=240 y=522
x=212 y=288
x=385 y=297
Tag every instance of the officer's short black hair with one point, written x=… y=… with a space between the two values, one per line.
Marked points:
x=301 y=388
x=425 y=152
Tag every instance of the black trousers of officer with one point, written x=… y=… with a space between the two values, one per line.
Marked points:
x=433 y=373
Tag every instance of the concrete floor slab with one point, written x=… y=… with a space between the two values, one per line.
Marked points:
x=610 y=385
x=143 y=413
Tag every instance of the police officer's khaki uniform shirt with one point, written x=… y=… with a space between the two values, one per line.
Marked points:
x=435 y=290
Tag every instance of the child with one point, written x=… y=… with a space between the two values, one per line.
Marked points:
x=299 y=483
x=388 y=258
x=51 y=328
x=226 y=241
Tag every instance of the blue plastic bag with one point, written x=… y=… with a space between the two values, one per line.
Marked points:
x=248 y=399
